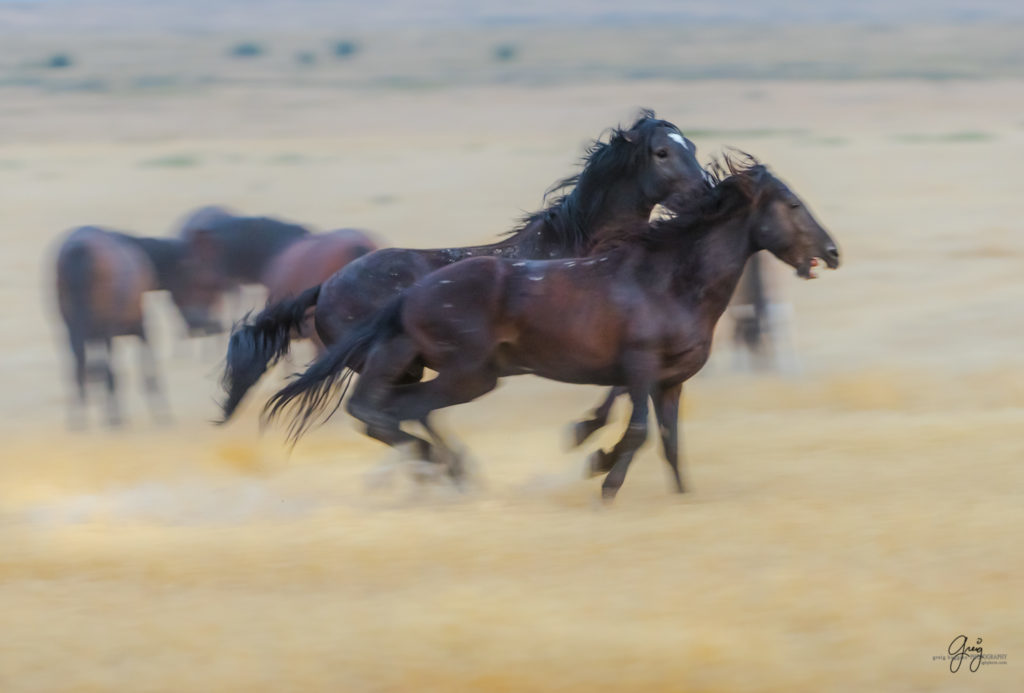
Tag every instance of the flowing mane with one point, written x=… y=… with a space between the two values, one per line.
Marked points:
x=569 y=217
x=737 y=179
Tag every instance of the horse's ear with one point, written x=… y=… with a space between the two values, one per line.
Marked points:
x=631 y=136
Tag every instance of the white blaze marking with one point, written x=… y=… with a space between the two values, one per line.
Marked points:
x=679 y=138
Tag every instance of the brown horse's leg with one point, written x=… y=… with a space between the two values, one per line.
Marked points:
x=448 y=455
x=625 y=449
x=415 y=402
x=388 y=363
x=113 y=408
x=640 y=367
x=666 y=409
x=77 y=410
x=582 y=430
x=158 y=406
x=454 y=385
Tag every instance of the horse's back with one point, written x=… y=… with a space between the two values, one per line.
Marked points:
x=203 y=218
x=100 y=282
x=363 y=286
x=311 y=261
x=244 y=247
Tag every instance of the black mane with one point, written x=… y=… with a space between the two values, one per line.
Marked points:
x=737 y=178
x=569 y=218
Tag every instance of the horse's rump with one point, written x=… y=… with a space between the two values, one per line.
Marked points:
x=100 y=283
x=311 y=261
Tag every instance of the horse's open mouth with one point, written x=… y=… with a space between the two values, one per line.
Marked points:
x=806 y=269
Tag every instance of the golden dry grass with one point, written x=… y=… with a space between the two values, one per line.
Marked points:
x=842 y=526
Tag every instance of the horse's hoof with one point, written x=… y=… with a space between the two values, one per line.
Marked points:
x=424 y=472
x=579 y=432
x=599 y=462
x=457 y=470
x=608 y=493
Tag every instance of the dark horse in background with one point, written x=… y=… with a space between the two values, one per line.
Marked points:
x=101 y=278
x=639 y=313
x=621 y=181
x=239 y=248
x=285 y=258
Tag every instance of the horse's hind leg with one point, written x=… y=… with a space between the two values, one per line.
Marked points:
x=582 y=430
x=456 y=385
x=113 y=407
x=158 y=406
x=77 y=408
x=449 y=456
x=388 y=363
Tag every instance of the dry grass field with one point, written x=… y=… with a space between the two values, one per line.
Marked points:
x=842 y=525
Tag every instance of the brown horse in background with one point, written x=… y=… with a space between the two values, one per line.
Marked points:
x=101 y=278
x=242 y=248
x=283 y=257
x=639 y=315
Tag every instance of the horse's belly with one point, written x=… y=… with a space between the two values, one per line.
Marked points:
x=122 y=274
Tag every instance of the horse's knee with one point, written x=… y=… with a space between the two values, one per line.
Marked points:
x=637 y=429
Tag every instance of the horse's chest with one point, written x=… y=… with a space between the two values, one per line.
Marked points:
x=682 y=358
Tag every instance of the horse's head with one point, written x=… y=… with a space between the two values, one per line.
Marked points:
x=668 y=169
x=784 y=225
x=198 y=284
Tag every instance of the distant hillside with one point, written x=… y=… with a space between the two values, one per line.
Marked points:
x=278 y=15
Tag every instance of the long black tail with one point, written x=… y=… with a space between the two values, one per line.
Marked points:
x=258 y=344
x=311 y=394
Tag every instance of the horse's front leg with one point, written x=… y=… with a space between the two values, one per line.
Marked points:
x=623 y=452
x=666 y=409
x=582 y=430
x=641 y=367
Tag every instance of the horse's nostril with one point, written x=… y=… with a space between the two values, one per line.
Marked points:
x=833 y=252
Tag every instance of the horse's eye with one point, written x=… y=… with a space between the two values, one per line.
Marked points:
x=661 y=153
x=794 y=205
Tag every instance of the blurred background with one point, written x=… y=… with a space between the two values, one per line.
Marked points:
x=853 y=507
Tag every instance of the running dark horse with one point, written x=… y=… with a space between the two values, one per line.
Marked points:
x=101 y=278
x=310 y=261
x=621 y=181
x=638 y=314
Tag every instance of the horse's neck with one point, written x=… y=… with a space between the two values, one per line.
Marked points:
x=707 y=274
x=164 y=253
